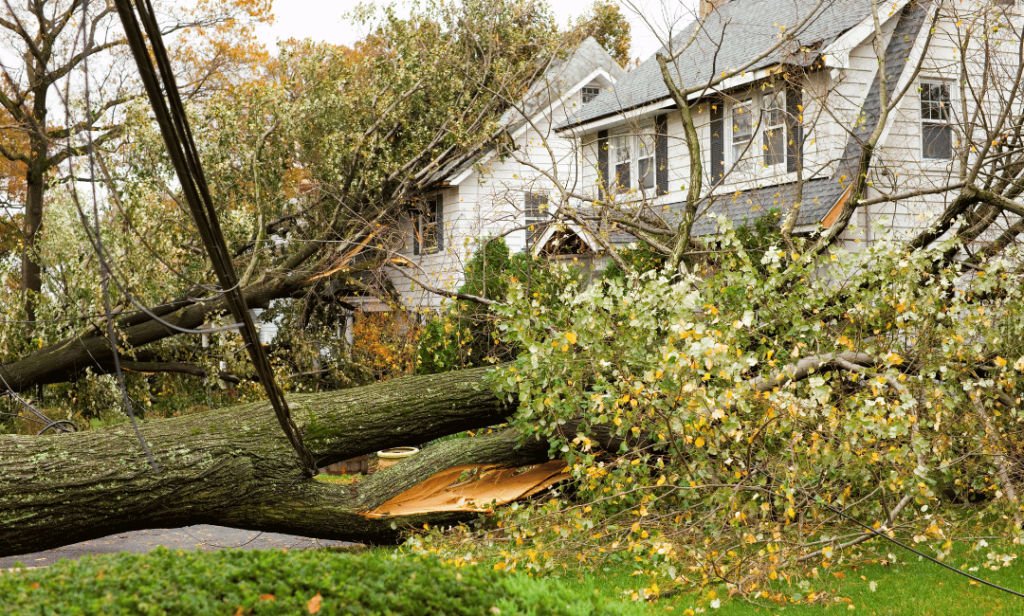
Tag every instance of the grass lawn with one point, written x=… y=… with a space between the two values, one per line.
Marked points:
x=343 y=480
x=910 y=587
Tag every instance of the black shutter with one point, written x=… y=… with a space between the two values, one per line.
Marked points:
x=794 y=127
x=439 y=208
x=602 y=163
x=661 y=154
x=415 y=232
x=717 y=139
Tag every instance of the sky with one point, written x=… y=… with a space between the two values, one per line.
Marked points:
x=323 y=20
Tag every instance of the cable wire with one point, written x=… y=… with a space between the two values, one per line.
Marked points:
x=874 y=532
x=165 y=100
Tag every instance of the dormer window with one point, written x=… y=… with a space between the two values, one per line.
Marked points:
x=759 y=131
x=634 y=161
x=589 y=93
x=742 y=131
x=633 y=158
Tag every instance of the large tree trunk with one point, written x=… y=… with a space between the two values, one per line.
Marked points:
x=233 y=467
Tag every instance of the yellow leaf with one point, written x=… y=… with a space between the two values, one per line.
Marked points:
x=699 y=442
x=314 y=604
x=499 y=566
x=571 y=337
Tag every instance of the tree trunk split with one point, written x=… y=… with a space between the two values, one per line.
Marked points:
x=233 y=467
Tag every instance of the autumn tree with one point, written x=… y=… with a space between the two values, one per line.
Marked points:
x=605 y=21
x=49 y=43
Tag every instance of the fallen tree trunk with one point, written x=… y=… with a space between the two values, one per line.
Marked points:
x=233 y=467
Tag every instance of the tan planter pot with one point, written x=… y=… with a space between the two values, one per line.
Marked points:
x=394 y=455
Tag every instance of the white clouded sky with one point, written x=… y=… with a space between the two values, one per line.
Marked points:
x=323 y=20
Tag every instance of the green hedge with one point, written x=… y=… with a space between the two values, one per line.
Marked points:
x=274 y=582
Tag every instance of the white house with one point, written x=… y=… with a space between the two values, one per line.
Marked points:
x=502 y=190
x=784 y=93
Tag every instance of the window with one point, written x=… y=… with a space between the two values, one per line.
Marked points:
x=589 y=93
x=622 y=149
x=427 y=226
x=759 y=125
x=645 y=160
x=936 y=130
x=773 y=122
x=536 y=210
x=634 y=156
x=742 y=131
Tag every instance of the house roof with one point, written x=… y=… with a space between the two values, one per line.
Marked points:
x=818 y=197
x=739 y=31
x=560 y=78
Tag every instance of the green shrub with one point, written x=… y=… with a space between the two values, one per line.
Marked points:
x=167 y=582
x=466 y=334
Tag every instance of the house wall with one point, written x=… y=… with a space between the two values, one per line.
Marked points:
x=833 y=101
x=489 y=203
x=979 y=72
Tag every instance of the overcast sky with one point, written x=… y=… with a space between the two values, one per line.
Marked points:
x=322 y=20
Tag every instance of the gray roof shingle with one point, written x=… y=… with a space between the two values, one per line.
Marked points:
x=819 y=195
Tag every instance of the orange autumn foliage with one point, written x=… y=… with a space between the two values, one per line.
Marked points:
x=385 y=343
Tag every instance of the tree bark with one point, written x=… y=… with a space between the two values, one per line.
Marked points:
x=35 y=187
x=233 y=467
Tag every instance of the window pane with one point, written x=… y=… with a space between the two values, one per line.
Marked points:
x=742 y=128
x=772 y=109
x=428 y=225
x=742 y=122
x=937 y=140
x=645 y=169
x=536 y=217
x=622 y=177
x=935 y=102
x=536 y=204
x=774 y=146
x=590 y=93
x=621 y=146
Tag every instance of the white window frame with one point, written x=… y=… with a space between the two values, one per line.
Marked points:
x=589 y=93
x=635 y=151
x=535 y=215
x=741 y=143
x=753 y=145
x=925 y=85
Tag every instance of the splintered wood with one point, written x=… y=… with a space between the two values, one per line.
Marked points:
x=472 y=488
